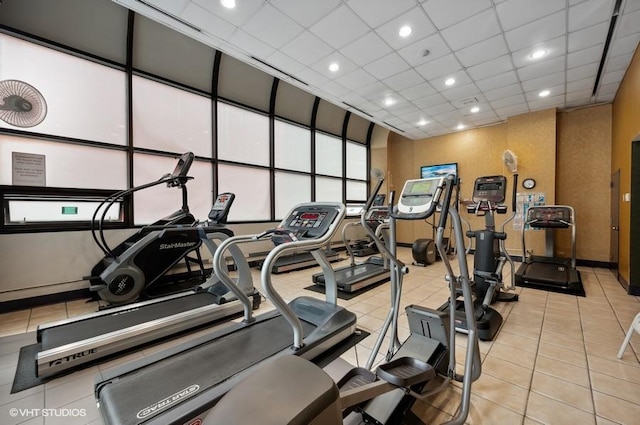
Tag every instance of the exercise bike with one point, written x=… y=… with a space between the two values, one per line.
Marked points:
x=490 y=256
x=138 y=268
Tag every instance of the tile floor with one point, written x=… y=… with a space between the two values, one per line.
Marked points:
x=553 y=361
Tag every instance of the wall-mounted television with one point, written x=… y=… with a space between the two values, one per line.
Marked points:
x=439 y=170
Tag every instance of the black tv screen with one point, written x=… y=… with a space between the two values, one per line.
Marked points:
x=439 y=170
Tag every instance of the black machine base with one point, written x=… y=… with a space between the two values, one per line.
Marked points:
x=556 y=276
x=488 y=320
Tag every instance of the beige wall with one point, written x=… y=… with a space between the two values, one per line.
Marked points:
x=583 y=176
x=537 y=139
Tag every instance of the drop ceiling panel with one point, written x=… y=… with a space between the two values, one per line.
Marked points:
x=387 y=66
x=590 y=13
x=416 y=19
x=306 y=48
x=377 y=12
x=439 y=67
x=588 y=37
x=440 y=11
x=272 y=26
x=366 y=49
x=472 y=30
x=478 y=53
x=207 y=21
x=306 y=13
x=425 y=50
x=237 y=16
x=339 y=28
x=516 y=13
x=537 y=32
x=492 y=67
x=554 y=48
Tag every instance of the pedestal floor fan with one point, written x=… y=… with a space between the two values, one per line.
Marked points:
x=22 y=104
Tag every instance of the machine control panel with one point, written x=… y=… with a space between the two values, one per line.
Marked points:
x=378 y=214
x=221 y=206
x=307 y=221
x=490 y=189
x=418 y=198
x=549 y=216
x=179 y=174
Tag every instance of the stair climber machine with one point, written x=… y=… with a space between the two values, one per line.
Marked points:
x=179 y=385
x=489 y=258
x=138 y=268
x=356 y=276
x=72 y=343
x=302 y=393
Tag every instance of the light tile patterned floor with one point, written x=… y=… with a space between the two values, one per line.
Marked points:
x=553 y=361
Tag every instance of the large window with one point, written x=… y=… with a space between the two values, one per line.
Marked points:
x=291 y=189
x=328 y=155
x=251 y=187
x=99 y=137
x=292 y=147
x=170 y=119
x=84 y=100
x=61 y=164
x=243 y=135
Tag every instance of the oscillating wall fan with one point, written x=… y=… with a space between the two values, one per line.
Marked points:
x=22 y=104
x=510 y=160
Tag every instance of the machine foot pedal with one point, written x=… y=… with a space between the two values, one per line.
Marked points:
x=406 y=371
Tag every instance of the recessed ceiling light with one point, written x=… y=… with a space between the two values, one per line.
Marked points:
x=461 y=126
x=450 y=81
x=229 y=4
x=475 y=109
x=334 y=67
x=538 y=53
x=389 y=101
x=422 y=122
x=405 y=31
x=544 y=93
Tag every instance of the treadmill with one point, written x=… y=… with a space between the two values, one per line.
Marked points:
x=179 y=385
x=68 y=344
x=548 y=272
x=302 y=260
x=356 y=276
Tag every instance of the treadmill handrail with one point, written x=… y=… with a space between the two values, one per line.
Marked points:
x=220 y=270
x=308 y=244
x=571 y=224
x=265 y=275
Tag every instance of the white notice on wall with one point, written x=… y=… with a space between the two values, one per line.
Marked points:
x=28 y=169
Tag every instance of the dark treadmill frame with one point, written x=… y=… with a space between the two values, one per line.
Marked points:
x=121 y=329
x=302 y=260
x=549 y=273
x=355 y=277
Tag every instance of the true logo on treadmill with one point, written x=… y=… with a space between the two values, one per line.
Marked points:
x=168 y=401
x=73 y=357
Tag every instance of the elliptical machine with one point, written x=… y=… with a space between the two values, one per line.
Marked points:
x=138 y=268
x=490 y=256
x=302 y=393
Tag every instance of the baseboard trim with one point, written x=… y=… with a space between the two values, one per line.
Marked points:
x=40 y=300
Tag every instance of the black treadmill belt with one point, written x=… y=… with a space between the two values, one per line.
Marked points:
x=548 y=273
x=352 y=274
x=81 y=330
x=202 y=367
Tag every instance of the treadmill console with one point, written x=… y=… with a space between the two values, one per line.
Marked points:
x=305 y=222
x=220 y=209
x=550 y=216
x=378 y=214
x=417 y=200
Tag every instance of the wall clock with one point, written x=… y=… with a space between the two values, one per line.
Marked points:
x=528 y=183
